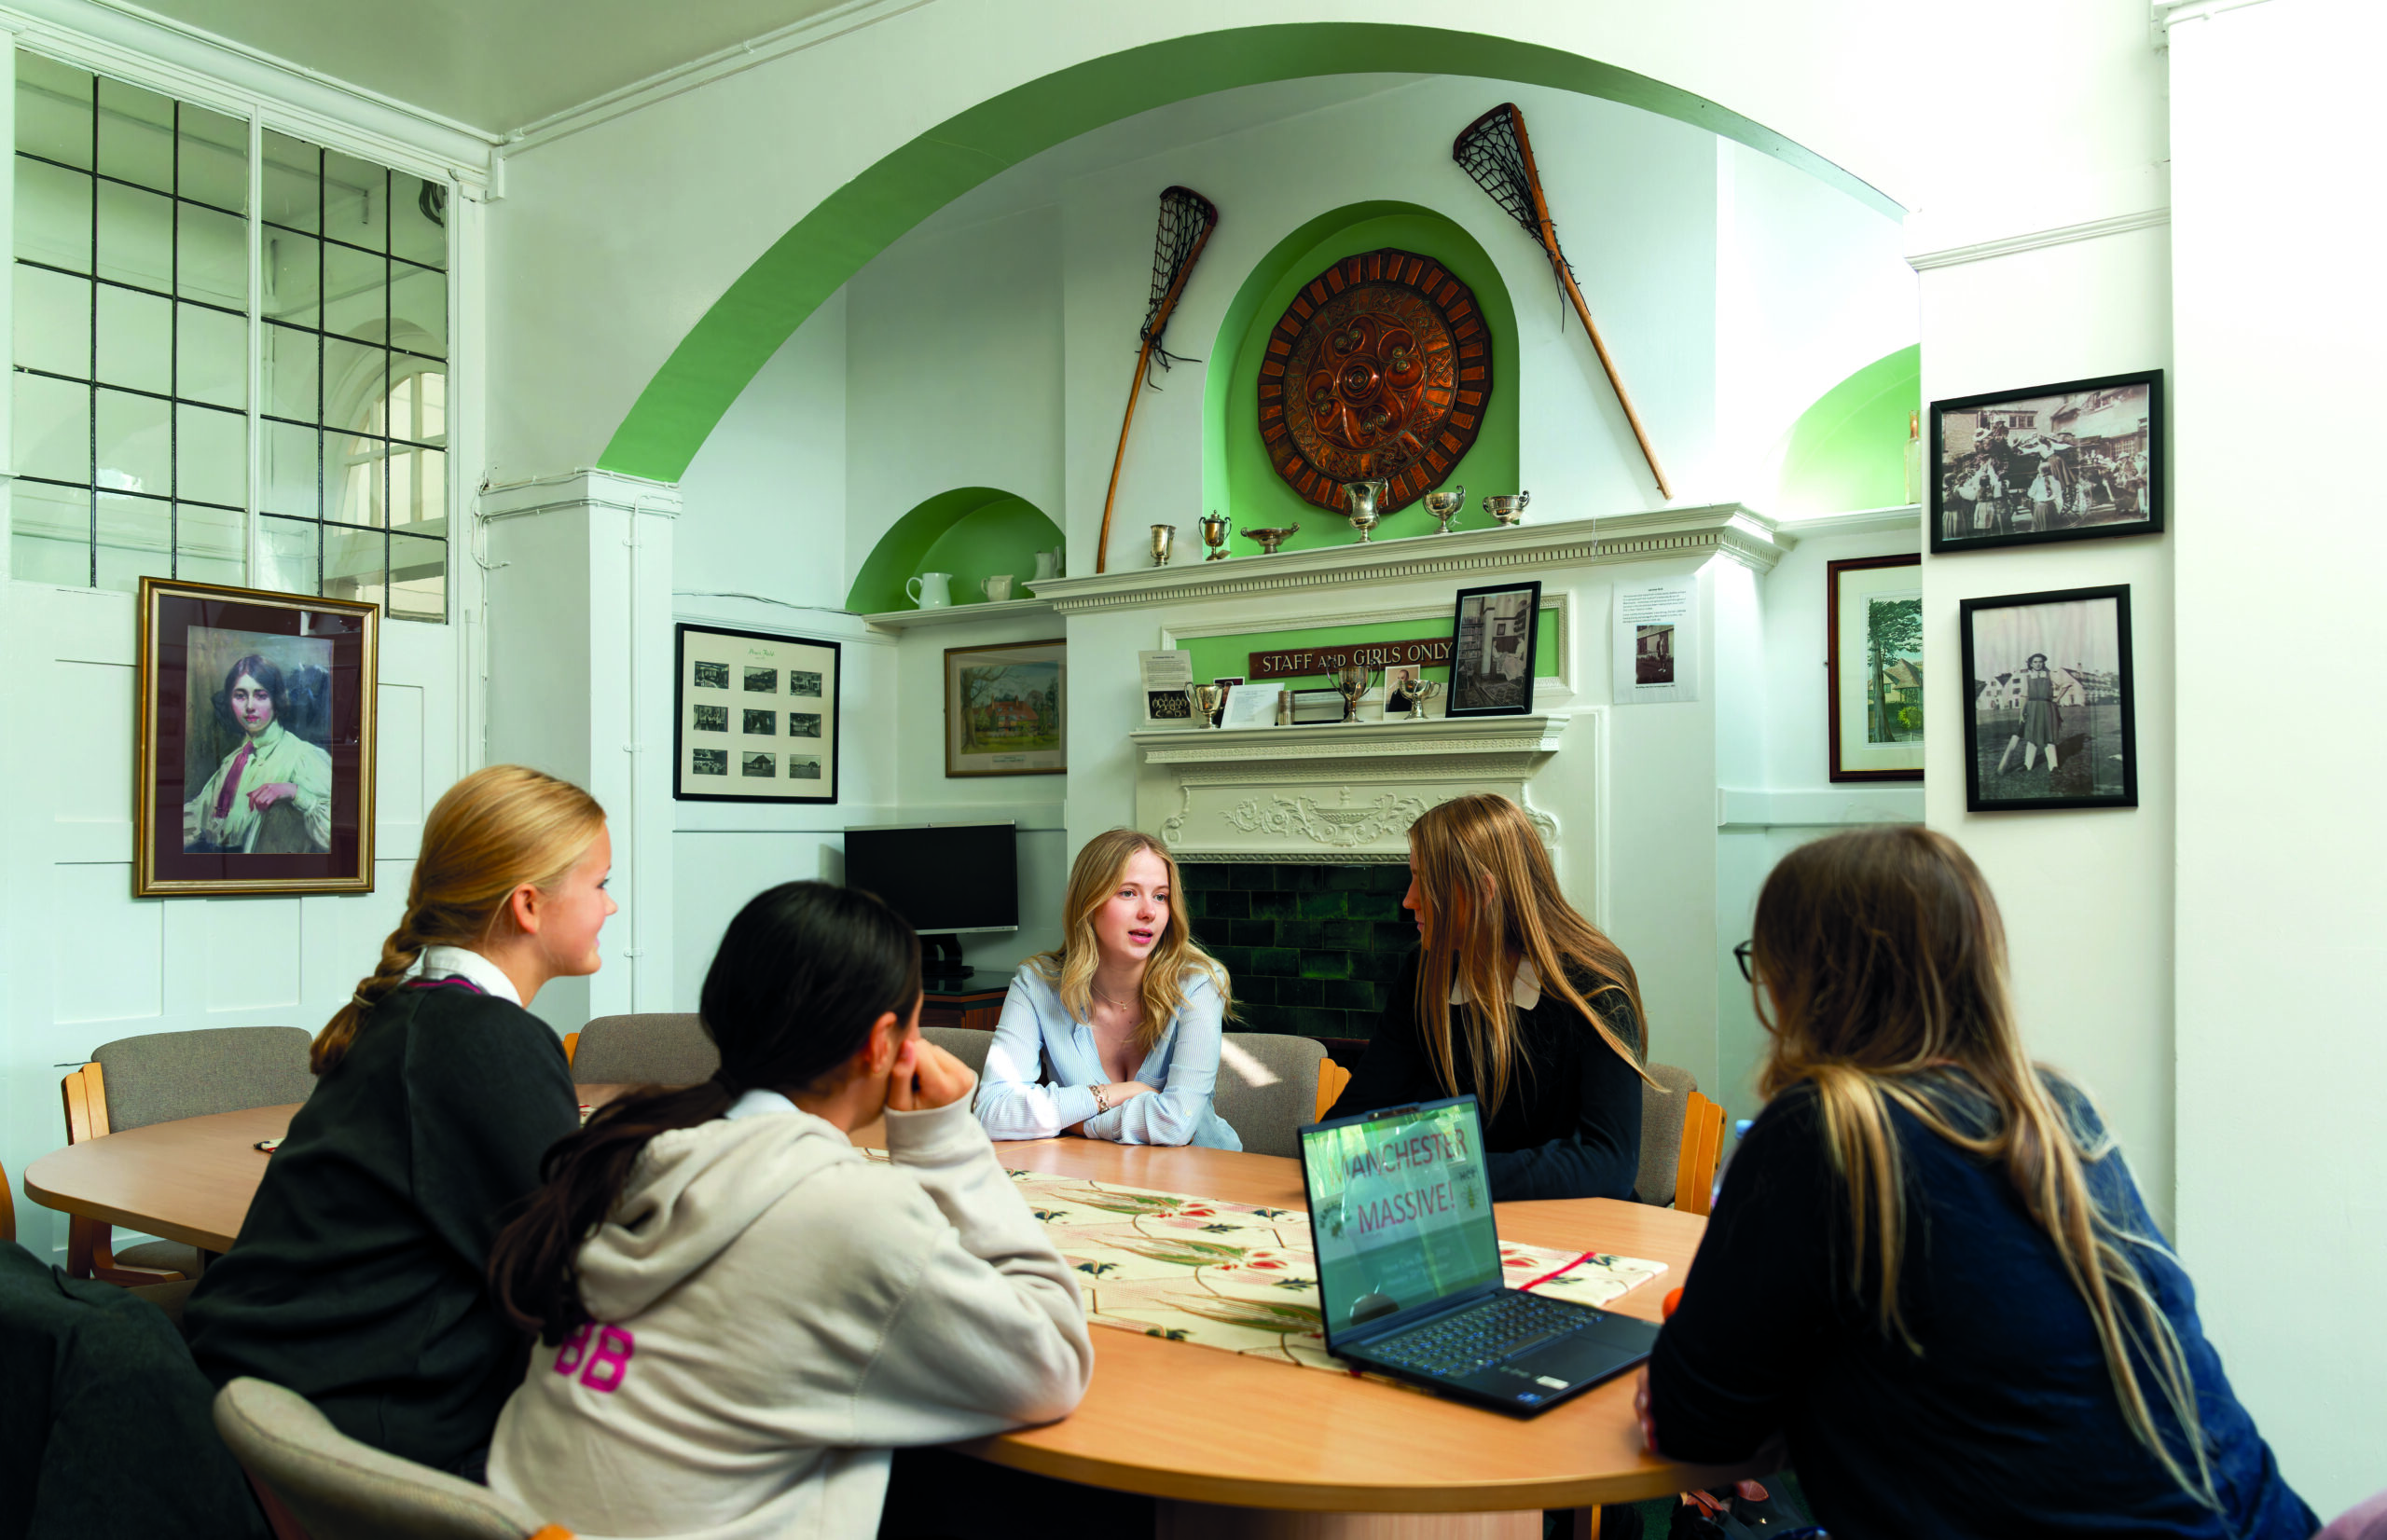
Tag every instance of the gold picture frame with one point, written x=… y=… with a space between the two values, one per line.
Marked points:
x=1007 y=709
x=253 y=746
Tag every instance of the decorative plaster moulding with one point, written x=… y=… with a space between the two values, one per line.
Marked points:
x=955 y=614
x=583 y=489
x=1330 y=793
x=2063 y=235
x=1723 y=529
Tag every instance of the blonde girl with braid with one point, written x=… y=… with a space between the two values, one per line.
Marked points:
x=1930 y=1281
x=359 y=1276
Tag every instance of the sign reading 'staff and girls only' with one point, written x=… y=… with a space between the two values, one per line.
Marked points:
x=1303 y=662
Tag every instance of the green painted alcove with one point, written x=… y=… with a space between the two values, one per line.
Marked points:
x=972 y=532
x=1236 y=476
x=1848 y=450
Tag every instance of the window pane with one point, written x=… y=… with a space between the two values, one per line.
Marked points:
x=294 y=283
x=214 y=159
x=50 y=528
x=418 y=486
x=136 y=540
x=418 y=219
x=136 y=339
x=208 y=544
x=212 y=357
x=136 y=237
x=212 y=455
x=418 y=578
x=291 y=359
x=53 y=321
x=53 y=429
x=290 y=485
x=418 y=406
x=53 y=215
x=352 y=562
x=418 y=310
x=291 y=197
x=357 y=485
x=214 y=256
x=136 y=135
x=53 y=111
x=356 y=203
x=355 y=379
x=134 y=453
x=286 y=555
x=356 y=294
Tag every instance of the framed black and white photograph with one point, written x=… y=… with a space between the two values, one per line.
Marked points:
x=2053 y=720
x=2078 y=461
x=254 y=742
x=1873 y=625
x=1492 y=645
x=755 y=718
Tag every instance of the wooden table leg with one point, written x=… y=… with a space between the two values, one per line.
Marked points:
x=1207 y=1521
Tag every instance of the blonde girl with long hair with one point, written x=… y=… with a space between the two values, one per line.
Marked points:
x=1930 y=1273
x=1554 y=1059
x=1115 y=1033
x=359 y=1275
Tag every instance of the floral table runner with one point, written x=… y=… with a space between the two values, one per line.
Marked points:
x=1239 y=1277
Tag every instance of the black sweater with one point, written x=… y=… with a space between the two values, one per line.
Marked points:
x=359 y=1279
x=2005 y=1423
x=1571 y=1126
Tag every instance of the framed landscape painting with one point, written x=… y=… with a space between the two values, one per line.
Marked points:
x=2078 y=461
x=254 y=742
x=2053 y=721
x=1007 y=709
x=757 y=717
x=1873 y=616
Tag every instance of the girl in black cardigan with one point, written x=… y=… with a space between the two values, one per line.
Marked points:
x=1556 y=1064
x=359 y=1277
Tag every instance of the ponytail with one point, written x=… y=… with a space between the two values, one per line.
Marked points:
x=494 y=831
x=802 y=975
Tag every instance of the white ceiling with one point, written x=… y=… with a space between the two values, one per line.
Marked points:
x=493 y=65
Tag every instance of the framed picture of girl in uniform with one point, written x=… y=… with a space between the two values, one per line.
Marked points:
x=2053 y=719
x=254 y=746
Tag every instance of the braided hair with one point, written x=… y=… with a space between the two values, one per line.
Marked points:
x=493 y=831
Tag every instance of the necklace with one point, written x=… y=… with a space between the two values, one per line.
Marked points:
x=1115 y=1005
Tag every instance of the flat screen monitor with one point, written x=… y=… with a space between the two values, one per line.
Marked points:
x=943 y=877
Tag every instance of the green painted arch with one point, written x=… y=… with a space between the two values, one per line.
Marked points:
x=1848 y=450
x=720 y=357
x=1236 y=468
x=972 y=532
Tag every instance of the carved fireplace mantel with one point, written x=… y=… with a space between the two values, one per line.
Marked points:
x=1334 y=793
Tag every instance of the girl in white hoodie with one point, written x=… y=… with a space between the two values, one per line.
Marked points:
x=739 y=1315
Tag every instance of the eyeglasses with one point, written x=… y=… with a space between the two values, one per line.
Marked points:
x=1746 y=955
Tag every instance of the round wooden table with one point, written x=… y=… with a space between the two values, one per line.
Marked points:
x=1232 y=1445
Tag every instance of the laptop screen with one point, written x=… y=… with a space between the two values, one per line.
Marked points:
x=1401 y=1210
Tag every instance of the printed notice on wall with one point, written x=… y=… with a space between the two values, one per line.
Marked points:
x=1655 y=648
x=1166 y=676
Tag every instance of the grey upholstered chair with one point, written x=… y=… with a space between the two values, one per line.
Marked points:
x=1662 y=1117
x=655 y=1049
x=342 y=1490
x=161 y=1077
x=967 y=1043
x=1268 y=1088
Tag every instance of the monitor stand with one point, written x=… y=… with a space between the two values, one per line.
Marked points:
x=941 y=960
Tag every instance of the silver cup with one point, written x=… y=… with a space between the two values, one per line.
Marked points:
x=1444 y=506
x=1363 y=498
x=1163 y=537
x=1352 y=681
x=1508 y=510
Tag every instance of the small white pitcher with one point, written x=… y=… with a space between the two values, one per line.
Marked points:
x=930 y=590
x=1048 y=565
x=998 y=587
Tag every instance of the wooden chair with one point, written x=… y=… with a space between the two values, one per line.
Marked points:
x=327 y=1486
x=1268 y=1088
x=1661 y=1125
x=1703 y=1147
x=656 y=1048
x=967 y=1043
x=1332 y=1079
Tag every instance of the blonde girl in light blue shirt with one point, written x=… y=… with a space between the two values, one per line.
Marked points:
x=1114 y=1035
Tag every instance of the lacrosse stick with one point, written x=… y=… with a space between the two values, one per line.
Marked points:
x=1186 y=220
x=1495 y=151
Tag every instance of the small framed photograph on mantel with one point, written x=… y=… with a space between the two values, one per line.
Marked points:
x=2078 y=461
x=1873 y=619
x=1491 y=647
x=757 y=717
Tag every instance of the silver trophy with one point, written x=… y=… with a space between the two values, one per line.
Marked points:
x=1270 y=539
x=1214 y=535
x=1352 y=681
x=1444 y=506
x=1163 y=537
x=1207 y=699
x=1509 y=510
x=1362 y=496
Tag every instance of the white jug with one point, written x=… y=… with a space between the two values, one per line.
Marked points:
x=998 y=587
x=1048 y=565
x=930 y=590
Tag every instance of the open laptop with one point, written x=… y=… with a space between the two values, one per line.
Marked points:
x=1409 y=1267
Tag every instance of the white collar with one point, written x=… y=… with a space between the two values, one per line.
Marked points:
x=1525 y=988
x=463 y=962
x=757 y=1101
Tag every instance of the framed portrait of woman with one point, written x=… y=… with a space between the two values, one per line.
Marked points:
x=254 y=742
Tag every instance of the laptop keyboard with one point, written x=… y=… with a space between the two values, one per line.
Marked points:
x=1500 y=1327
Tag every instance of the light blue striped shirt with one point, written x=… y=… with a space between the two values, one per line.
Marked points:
x=1041 y=1071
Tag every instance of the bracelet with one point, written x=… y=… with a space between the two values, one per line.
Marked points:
x=1101 y=1106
